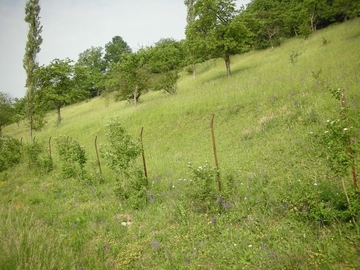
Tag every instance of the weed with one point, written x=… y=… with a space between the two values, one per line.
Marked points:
x=294 y=57
x=325 y=41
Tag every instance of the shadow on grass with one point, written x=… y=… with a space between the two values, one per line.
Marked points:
x=234 y=72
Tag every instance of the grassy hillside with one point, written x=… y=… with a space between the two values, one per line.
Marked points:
x=281 y=206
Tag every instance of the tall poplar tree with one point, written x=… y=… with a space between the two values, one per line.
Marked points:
x=30 y=64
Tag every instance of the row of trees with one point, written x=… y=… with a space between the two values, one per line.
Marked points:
x=215 y=29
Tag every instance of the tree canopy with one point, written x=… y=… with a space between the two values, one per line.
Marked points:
x=116 y=50
x=6 y=111
x=92 y=61
x=129 y=78
x=61 y=83
x=217 y=31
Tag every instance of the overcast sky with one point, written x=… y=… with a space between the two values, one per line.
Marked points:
x=72 y=26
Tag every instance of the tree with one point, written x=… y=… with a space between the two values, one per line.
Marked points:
x=30 y=64
x=190 y=44
x=216 y=27
x=190 y=16
x=344 y=9
x=312 y=12
x=19 y=110
x=93 y=62
x=270 y=16
x=165 y=59
x=61 y=83
x=166 y=55
x=116 y=50
x=130 y=77
x=6 y=111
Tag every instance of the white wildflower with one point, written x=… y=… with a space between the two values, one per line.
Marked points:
x=345 y=129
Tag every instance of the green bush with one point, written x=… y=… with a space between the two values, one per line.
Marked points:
x=322 y=203
x=36 y=158
x=132 y=190
x=121 y=150
x=121 y=153
x=202 y=189
x=72 y=157
x=10 y=152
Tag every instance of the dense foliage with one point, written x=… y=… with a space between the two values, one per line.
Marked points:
x=6 y=111
x=61 y=83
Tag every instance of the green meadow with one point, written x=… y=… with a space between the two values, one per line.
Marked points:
x=281 y=205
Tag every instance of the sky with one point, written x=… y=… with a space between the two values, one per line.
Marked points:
x=72 y=26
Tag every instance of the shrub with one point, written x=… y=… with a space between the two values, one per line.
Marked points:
x=34 y=155
x=305 y=30
x=10 y=152
x=72 y=156
x=132 y=190
x=121 y=153
x=294 y=57
x=202 y=189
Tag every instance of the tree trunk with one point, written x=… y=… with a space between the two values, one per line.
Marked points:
x=31 y=122
x=135 y=95
x=58 y=113
x=30 y=112
x=227 y=64
x=271 y=43
x=194 y=70
x=312 y=21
